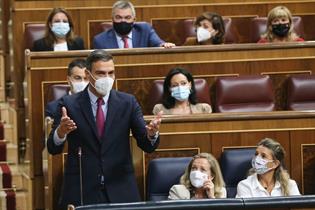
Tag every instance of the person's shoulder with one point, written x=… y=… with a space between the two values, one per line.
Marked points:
x=78 y=39
x=179 y=191
x=262 y=40
x=157 y=108
x=123 y=96
x=104 y=34
x=39 y=45
x=142 y=25
x=202 y=108
x=299 y=39
x=249 y=180
x=179 y=187
x=292 y=182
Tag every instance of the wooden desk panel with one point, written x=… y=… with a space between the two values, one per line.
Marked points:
x=214 y=132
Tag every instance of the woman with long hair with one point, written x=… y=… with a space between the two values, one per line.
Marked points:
x=268 y=175
x=59 y=35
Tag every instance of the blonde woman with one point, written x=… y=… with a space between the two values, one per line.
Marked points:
x=202 y=179
x=280 y=27
x=269 y=178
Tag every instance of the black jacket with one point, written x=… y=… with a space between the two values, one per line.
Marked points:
x=40 y=45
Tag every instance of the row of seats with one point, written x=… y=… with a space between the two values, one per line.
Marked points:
x=249 y=93
x=163 y=173
x=184 y=28
x=235 y=94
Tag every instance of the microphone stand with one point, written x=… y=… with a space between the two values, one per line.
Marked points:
x=80 y=168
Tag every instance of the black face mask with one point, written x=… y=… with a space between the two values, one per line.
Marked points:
x=281 y=30
x=122 y=28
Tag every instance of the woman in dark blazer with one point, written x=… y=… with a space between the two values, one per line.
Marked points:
x=59 y=34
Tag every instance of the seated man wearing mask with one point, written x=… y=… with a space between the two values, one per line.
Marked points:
x=126 y=33
x=76 y=79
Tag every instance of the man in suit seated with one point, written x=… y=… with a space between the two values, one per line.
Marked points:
x=76 y=79
x=126 y=33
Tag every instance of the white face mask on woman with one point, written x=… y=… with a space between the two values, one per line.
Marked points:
x=197 y=178
x=203 y=34
x=260 y=165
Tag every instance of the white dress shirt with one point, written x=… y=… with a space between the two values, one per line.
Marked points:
x=120 y=40
x=251 y=187
x=61 y=47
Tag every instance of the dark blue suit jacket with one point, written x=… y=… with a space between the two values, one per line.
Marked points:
x=143 y=35
x=52 y=108
x=108 y=156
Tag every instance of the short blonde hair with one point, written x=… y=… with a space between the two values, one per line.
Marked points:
x=215 y=172
x=279 y=12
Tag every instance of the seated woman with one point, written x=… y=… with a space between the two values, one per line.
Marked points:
x=59 y=35
x=179 y=95
x=202 y=179
x=210 y=30
x=268 y=176
x=280 y=27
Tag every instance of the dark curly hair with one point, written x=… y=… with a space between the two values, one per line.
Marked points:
x=168 y=101
x=217 y=23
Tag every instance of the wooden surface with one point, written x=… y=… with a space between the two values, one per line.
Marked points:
x=135 y=70
x=214 y=132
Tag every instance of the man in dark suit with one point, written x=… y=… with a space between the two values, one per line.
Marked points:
x=96 y=123
x=126 y=33
x=77 y=81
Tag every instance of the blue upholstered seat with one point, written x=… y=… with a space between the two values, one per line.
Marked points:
x=163 y=173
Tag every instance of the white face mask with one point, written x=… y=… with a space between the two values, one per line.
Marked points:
x=203 y=34
x=197 y=178
x=78 y=86
x=260 y=165
x=103 y=85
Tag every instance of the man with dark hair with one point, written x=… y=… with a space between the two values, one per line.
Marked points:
x=126 y=33
x=77 y=81
x=96 y=124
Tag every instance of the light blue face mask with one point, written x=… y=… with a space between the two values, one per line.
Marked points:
x=180 y=93
x=60 y=29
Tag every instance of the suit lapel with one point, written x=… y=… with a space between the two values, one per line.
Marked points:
x=112 y=39
x=86 y=108
x=135 y=38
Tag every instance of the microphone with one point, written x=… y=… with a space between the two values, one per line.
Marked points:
x=80 y=168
